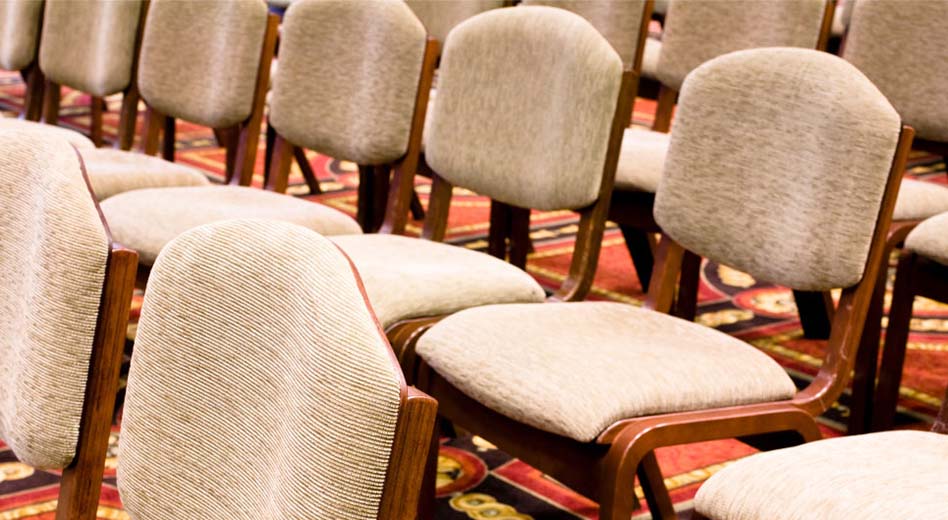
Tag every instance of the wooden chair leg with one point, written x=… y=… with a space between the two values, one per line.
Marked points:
x=366 y=197
x=168 y=140
x=816 y=313
x=686 y=304
x=896 y=339
x=499 y=230
x=307 y=170
x=637 y=242
x=95 y=124
x=417 y=210
x=520 y=243
x=268 y=153
x=33 y=100
x=426 y=502
x=51 y=100
x=653 y=485
x=867 y=358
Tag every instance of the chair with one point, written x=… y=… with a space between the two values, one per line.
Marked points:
x=882 y=41
x=20 y=24
x=256 y=338
x=492 y=131
x=599 y=386
x=439 y=17
x=66 y=289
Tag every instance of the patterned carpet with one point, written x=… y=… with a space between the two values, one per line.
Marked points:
x=477 y=481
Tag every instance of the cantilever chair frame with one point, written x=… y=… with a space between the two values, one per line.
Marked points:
x=128 y=114
x=606 y=468
x=82 y=479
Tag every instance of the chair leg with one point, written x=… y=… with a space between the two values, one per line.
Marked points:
x=653 y=485
x=636 y=241
x=95 y=130
x=686 y=304
x=417 y=210
x=896 y=338
x=816 y=313
x=867 y=359
x=366 y=196
x=307 y=170
x=168 y=141
x=268 y=152
x=51 y=97
x=33 y=101
x=426 y=502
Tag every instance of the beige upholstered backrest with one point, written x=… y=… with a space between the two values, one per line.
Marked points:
x=19 y=29
x=199 y=60
x=350 y=98
x=261 y=386
x=525 y=104
x=53 y=253
x=618 y=20
x=889 y=42
x=440 y=16
x=89 y=45
x=777 y=166
x=697 y=30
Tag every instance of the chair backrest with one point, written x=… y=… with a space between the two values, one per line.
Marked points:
x=525 y=106
x=697 y=30
x=439 y=16
x=199 y=60
x=53 y=255
x=885 y=41
x=19 y=32
x=349 y=98
x=620 y=21
x=778 y=163
x=89 y=45
x=256 y=337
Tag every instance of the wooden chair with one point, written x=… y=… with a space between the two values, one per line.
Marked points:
x=694 y=32
x=882 y=41
x=256 y=338
x=92 y=46
x=20 y=24
x=490 y=130
x=66 y=289
x=600 y=386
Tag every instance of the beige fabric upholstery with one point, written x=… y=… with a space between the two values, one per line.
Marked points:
x=255 y=339
x=74 y=138
x=930 y=238
x=883 y=41
x=19 y=30
x=53 y=252
x=439 y=17
x=777 y=165
x=618 y=20
x=841 y=17
x=412 y=278
x=113 y=171
x=525 y=104
x=146 y=220
x=650 y=55
x=199 y=60
x=920 y=200
x=89 y=45
x=350 y=98
x=580 y=367
x=641 y=160
x=897 y=474
x=697 y=30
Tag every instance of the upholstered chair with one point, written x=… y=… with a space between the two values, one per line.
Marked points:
x=256 y=338
x=439 y=17
x=601 y=385
x=66 y=290
x=20 y=26
x=882 y=41
x=506 y=74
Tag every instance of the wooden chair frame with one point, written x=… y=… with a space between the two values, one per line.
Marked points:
x=82 y=480
x=605 y=469
x=128 y=115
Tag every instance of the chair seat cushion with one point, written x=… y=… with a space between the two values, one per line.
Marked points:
x=411 y=278
x=75 y=138
x=574 y=369
x=920 y=200
x=650 y=54
x=930 y=239
x=641 y=160
x=897 y=474
x=113 y=171
x=146 y=220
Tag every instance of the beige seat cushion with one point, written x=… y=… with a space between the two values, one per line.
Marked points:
x=146 y=220
x=74 y=138
x=930 y=239
x=641 y=160
x=113 y=171
x=410 y=278
x=573 y=369
x=898 y=474
x=920 y=200
x=650 y=54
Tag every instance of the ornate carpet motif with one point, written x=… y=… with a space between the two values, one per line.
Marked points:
x=476 y=480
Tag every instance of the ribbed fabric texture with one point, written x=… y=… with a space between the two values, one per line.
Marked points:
x=439 y=17
x=930 y=239
x=114 y=171
x=80 y=141
x=777 y=165
x=349 y=98
x=525 y=104
x=199 y=60
x=89 y=45
x=19 y=29
x=260 y=386
x=53 y=253
x=919 y=200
